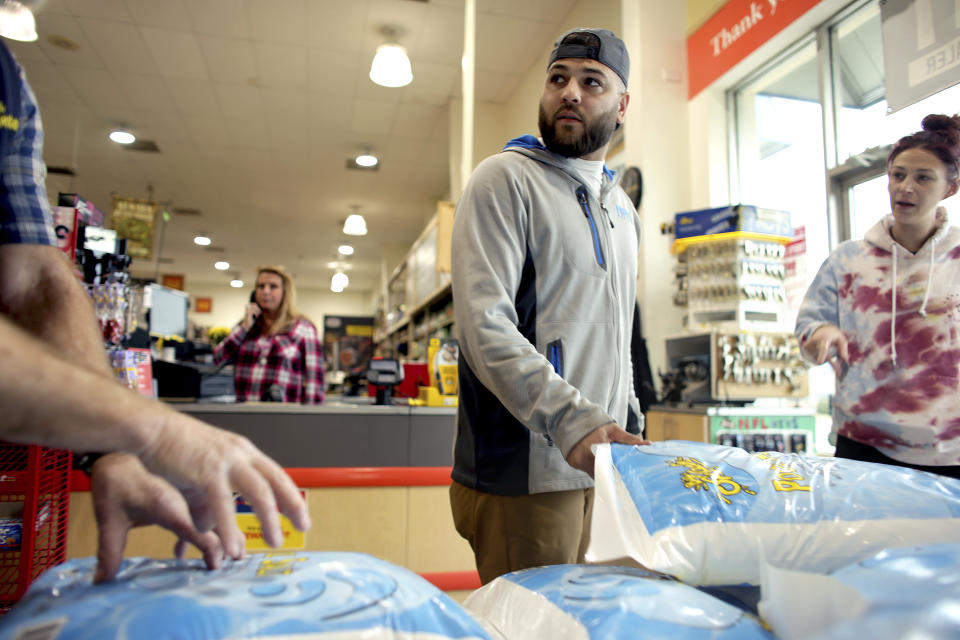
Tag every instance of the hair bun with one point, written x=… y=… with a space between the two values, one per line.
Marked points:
x=946 y=126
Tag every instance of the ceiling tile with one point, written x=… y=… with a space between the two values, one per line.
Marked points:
x=194 y=97
x=328 y=18
x=416 y=121
x=104 y=9
x=176 y=53
x=56 y=24
x=492 y=31
x=168 y=14
x=241 y=101
x=97 y=87
x=144 y=92
x=282 y=65
x=120 y=45
x=229 y=59
x=279 y=22
x=227 y=18
x=372 y=117
x=442 y=40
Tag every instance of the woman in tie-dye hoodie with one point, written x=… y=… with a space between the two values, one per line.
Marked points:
x=885 y=311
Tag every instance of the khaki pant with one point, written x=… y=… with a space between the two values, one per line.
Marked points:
x=509 y=533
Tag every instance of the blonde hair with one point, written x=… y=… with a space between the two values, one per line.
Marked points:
x=287 y=314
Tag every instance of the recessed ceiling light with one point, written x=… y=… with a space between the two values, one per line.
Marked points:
x=221 y=265
x=236 y=283
x=345 y=250
x=121 y=136
x=366 y=160
x=202 y=240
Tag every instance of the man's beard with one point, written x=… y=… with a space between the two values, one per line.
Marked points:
x=594 y=135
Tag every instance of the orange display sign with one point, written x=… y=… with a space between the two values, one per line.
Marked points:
x=733 y=33
x=204 y=305
x=172 y=281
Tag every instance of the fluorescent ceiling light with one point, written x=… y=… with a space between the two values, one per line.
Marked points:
x=355 y=225
x=17 y=22
x=391 y=66
x=236 y=283
x=121 y=136
x=202 y=240
x=221 y=265
x=345 y=250
x=366 y=160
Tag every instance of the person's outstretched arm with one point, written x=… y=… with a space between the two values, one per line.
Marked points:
x=51 y=402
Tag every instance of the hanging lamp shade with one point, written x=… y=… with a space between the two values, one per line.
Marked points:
x=355 y=225
x=391 y=66
x=17 y=22
x=339 y=282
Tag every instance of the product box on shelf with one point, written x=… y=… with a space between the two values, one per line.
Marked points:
x=737 y=217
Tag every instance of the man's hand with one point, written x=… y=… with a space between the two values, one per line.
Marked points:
x=207 y=464
x=125 y=495
x=581 y=456
x=828 y=339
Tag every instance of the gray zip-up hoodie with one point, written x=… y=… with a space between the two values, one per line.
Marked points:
x=544 y=288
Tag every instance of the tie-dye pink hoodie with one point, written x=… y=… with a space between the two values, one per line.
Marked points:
x=900 y=391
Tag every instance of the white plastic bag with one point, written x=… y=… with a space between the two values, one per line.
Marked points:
x=329 y=595
x=709 y=514
x=898 y=593
x=580 y=602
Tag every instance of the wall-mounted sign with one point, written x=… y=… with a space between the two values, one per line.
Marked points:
x=134 y=220
x=172 y=281
x=203 y=305
x=734 y=32
x=921 y=49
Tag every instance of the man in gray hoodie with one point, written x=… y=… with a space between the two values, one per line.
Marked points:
x=545 y=250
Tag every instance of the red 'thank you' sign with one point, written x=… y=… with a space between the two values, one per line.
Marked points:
x=734 y=32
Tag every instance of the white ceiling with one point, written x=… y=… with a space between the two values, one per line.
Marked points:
x=256 y=106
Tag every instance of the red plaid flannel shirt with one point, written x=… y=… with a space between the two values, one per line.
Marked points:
x=287 y=365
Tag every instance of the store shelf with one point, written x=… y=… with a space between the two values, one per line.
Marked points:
x=419 y=288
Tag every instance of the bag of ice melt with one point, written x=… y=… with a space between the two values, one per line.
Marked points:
x=898 y=593
x=577 y=602
x=325 y=595
x=708 y=513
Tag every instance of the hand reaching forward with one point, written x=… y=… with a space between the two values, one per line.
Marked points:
x=581 y=456
x=828 y=342
x=125 y=496
x=207 y=464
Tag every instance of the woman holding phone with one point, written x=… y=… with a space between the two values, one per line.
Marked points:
x=275 y=349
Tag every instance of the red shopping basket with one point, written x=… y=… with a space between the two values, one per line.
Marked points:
x=34 y=494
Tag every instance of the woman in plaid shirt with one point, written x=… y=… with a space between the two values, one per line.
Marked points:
x=275 y=350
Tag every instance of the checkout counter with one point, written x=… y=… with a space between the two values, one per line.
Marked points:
x=376 y=480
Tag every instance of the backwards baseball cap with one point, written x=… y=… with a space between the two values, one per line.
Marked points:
x=596 y=44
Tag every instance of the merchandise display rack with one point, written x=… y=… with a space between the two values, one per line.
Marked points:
x=34 y=488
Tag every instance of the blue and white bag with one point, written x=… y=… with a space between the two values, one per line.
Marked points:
x=329 y=595
x=581 y=602
x=909 y=592
x=710 y=514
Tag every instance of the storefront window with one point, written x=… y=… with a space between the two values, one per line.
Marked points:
x=780 y=147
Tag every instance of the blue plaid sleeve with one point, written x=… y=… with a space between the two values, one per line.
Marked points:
x=24 y=211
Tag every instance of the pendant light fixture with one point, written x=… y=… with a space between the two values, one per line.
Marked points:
x=355 y=225
x=17 y=21
x=339 y=282
x=391 y=66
